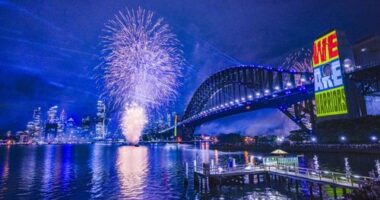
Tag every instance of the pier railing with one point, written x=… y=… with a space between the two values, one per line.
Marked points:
x=336 y=178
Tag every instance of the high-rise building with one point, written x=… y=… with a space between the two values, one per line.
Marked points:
x=100 y=127
x=37 y=122
x=170 y=119
x=51 y=126
x=86 y=127
x=61 y=126
x=30 y=128
x=71 y=129
x=52 y=114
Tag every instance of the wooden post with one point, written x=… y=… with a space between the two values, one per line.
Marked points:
x=344 y=192
x=320 y=191
x=251 y=179
x=297 y=189
x=335 y=195
x=207 y=184
x=311 y=190
x=187 y=170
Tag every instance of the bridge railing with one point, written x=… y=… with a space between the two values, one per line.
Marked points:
x=307 y=173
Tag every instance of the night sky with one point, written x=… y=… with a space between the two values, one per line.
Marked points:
x=48 y=49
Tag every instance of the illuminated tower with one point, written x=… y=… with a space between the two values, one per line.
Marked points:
x=71 y=129
x=37 y=123
x=100 y=128
x=86 y=126
x=61 y=125
x=30 y=128
x=51 y=126
x=168 y=119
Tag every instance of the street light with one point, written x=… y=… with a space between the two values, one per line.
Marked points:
x=373 y=138
x=257 y=94
x=343 y=138
x=313 y=139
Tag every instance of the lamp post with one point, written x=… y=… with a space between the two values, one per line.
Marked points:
x=343 y=139
x=374 y=138
x=313 y=139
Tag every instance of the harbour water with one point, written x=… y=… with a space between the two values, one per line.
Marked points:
x=95 y=171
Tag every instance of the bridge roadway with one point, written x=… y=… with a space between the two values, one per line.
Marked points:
x=334 y=179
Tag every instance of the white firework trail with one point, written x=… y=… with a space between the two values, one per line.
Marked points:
x=299 y=61
x=142 y=66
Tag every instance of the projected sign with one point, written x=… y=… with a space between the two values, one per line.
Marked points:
x=330 y=97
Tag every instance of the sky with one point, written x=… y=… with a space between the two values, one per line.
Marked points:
x=48 y=49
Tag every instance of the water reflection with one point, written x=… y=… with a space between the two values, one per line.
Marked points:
x=4 y=171
x=132 y=167
x=97 y=171
x=28 y=170
x=145 y=172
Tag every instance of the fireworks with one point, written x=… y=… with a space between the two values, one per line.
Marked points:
x=132 y=122
x=142 y=65
x=299 y=61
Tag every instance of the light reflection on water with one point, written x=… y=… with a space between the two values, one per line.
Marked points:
x=132 y=169
x=128 y=172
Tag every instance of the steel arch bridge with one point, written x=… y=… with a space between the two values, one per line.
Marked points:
x=247 y=88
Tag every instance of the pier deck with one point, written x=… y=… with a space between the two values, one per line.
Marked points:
x=334 y=179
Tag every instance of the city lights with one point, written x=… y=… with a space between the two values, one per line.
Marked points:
x=189 y=100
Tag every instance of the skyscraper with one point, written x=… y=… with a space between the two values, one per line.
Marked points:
x=37 y=123
x=100 y=128
x=86 y=127
x=61 y=122
x=71 y=129
x=51 y=126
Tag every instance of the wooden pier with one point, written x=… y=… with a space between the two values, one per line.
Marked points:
x=206 y=177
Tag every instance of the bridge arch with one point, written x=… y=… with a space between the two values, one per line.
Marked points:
x=243 y=81
x=246 y=88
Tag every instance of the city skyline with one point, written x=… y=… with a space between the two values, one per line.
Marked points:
x=190 y=99
x=52 y=72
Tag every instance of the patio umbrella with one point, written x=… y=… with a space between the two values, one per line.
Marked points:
x=279 y=152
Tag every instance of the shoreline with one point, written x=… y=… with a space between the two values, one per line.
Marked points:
x=265 y=148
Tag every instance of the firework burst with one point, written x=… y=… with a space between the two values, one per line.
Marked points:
x=299 y=61
x=142 y=66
